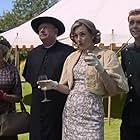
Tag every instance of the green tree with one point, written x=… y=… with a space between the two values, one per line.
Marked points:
x=7 y=21
x=23 y=10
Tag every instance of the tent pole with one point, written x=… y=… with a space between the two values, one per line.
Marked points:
x=17 y=57
x=109 y=98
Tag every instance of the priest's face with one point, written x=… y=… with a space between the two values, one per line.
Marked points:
x=47 y=32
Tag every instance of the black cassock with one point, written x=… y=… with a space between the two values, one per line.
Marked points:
x=46 y=118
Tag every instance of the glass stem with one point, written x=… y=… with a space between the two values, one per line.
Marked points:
x=45 y=96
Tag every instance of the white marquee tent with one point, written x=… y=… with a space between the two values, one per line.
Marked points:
x=109 y=16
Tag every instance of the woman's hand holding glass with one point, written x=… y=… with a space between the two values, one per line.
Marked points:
x=47 y=84
x=92 y=60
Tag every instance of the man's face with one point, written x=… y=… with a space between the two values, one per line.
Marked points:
x=134 y=26
x=47 y=32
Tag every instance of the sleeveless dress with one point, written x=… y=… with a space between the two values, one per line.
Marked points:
x=83 y=115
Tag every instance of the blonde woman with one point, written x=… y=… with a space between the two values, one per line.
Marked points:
x=88 y=74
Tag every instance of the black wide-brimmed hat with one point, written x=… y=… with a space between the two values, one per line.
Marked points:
x=35 y=23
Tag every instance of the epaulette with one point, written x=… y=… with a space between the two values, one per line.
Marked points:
x=128 y=47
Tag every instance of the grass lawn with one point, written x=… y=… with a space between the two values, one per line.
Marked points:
x=111 y=131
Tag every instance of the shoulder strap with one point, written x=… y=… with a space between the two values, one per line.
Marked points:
x=22 y=106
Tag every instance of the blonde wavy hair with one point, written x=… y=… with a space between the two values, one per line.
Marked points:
x=91 y=28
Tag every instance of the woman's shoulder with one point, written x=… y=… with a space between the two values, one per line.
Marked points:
x=74 y=54
x=106 y=52
x=11 y=67
x=35 y=50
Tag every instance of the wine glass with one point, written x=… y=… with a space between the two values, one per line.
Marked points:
x=86 y=58
x=40 y=78
x=89 y=51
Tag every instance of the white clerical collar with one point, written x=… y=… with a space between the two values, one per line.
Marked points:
x=47 y=47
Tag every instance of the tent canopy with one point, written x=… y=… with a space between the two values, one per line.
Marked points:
x=109 y=16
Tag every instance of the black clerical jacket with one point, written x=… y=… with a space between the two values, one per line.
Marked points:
x=46 y=118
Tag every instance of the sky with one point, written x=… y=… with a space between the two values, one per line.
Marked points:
x=5 y=5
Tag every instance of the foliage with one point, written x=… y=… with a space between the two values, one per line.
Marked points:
x=112 y=131
x=7 y=21
x=23 y=52
x=27 y=9
x=22 y=11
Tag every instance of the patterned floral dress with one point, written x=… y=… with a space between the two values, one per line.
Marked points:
x=83 y=113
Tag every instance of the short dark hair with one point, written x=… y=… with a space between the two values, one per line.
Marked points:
x=5 y=42
x=134 y=12
x=4 y=46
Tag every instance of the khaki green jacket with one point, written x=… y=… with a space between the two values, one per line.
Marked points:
x=93 y=81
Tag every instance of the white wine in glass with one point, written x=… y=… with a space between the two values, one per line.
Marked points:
x=40 y=78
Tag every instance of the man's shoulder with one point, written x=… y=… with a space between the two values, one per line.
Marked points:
x=63 y=44
x=36 y=49
x=127 y=47
x=66 y=49
x=12 y=67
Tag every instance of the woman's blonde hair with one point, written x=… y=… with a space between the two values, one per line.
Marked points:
x=91 y=28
